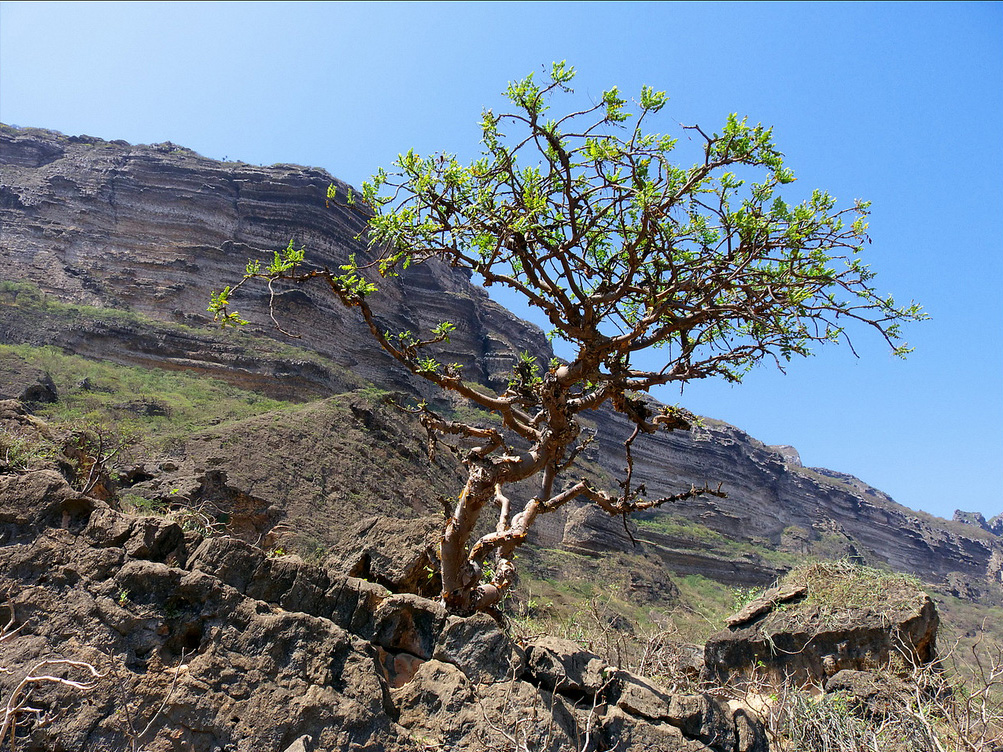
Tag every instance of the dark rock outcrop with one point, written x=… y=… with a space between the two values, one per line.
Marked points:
x=223 y=647
x=836 y=618
x=39 y=388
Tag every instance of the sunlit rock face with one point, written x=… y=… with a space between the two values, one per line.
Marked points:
x=149 y=231
x=154 y=229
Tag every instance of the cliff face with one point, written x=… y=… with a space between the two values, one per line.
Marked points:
x=153 y=229
x=144 y=233
x=775 y=503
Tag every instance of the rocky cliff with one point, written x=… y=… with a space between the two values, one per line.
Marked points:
x=153 y=229
x=125 y=243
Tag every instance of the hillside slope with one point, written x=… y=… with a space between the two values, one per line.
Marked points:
x=114 y=249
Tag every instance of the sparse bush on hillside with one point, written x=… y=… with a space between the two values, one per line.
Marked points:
x=829 y=723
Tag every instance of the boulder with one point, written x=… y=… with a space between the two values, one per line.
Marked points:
x=43 y=390
x=630 y=707
x=564 y=666
x=409 y=623
x=443 y=709
x=231 y=560
x=622 y=732
x=156 y=539
x=20 y=381
x=35 y=500
x=873 y=695
x=480 y=649
x=399 y=554
x=829 y=617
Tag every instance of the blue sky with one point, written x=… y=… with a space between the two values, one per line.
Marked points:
x=898 y=103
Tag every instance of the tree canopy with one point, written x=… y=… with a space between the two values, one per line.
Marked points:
x=587 y=216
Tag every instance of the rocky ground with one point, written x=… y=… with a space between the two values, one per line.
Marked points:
x=127 y=631
x=180 y=642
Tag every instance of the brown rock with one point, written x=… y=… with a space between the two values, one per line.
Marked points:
x=232 y=561
x=441 y=706
x=849 y=618
x=622 y=732
x=564 y=666
x=407 y=622
x=399 y=554
x=479 y=648
x=766 y=603
x=875 y=695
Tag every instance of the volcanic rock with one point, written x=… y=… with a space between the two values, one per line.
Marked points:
x=227 y=648
x=832 y=617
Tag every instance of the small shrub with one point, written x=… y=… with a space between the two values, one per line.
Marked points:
x=136 y=504
x=19 y=453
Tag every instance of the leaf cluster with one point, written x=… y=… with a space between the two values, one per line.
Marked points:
x=589 y=218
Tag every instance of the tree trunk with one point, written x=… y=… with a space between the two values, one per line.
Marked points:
x=459 y=577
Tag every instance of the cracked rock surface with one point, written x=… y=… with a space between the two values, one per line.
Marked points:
x=209 y=644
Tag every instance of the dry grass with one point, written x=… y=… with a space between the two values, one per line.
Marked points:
x=932 y=709
x=838 y=587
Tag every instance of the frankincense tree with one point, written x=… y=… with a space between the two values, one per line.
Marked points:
x=587 y=217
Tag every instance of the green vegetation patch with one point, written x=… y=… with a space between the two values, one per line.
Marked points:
x=20 y=452
x=26 y=296
x=708 y=540
x=136 y=403
x=677 y=526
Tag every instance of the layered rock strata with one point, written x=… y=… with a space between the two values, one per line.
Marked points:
x=154 y=229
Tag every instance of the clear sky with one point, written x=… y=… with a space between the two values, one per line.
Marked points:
x=898 y=103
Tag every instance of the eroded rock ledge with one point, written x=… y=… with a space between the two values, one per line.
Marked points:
x=209 y=644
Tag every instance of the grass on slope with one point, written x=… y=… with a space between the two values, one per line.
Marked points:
x=152 y=406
